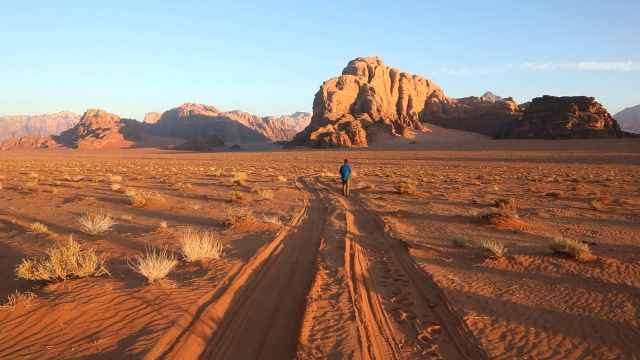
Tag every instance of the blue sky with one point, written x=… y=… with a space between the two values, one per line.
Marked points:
x=270 y=57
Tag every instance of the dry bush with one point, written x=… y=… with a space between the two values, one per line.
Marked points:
x=266 y=194
x=181 y=186
x=555 y=193
x=595 y=205
x=30 y=186
x=64 y=262
x=272 y=219
x=18 y=297
x=281 y=178
x=200 y=245
x=141 y=197
x=115 y=186
x=405 y=186
x=237 y=214
x=163 y=225
x=460 y=241
x=365 y=186
x=97 y=223
x=239 y=178
x=236 y=196
x=155 y=264
x=494 y=248
x=114 y=178
x=38 y=227
x=577 y=250
x=505 y=203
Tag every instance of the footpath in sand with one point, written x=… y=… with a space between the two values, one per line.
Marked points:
x=375 y=304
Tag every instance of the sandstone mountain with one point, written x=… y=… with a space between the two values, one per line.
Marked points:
x=190 y=121
x=41 y=125
x=489 y=96
x=98 y=128
x=370 y=97
x=566 y=117
x=629 y=119
x=152 y=117
x=28 y=142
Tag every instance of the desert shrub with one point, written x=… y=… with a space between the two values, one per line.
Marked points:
x=405 y=186
x=497 y=216
x=237 y=214
x=195 y=205
x=505 y=203
x=30 y=186
x=365 y=186
x=493 y=248
x=555 y=193
x=239 y=178
x=266 y=194
x=181 y=186
x=199 y=245
x=163 y=225
x=55 y=190
x=64 y=262
x=281 y=178
x=18 y=297
x=115 y=186
x=155 y=264
x=577 y=250
x=141 y=197
x=271 y=218
x=33 y=175
x=96 y=223
x=38 y=227
x=460 y=241
x=236 y=196
x=114 y=178
x=595 y=205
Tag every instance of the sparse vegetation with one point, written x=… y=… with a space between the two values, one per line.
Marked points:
x=239 y=178
x=17 y=298
x=595 y=205
x=495 y=249
x=265 y=194
x=38 y=227
x=155 y=265
x=460 y=241
x=555 y=193
x=200 y=245
x=236 y=196
x=365 y=186
x=141 y=197
x=64 y=262
x=96 y=223
x=577 y=250
x=405 y=187
x=237 y=214
x=272 y=219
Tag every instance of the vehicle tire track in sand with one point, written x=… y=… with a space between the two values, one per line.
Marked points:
x=260 y=313
x=400 y=311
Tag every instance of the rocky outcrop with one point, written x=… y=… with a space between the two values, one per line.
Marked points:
x=42 y=125
x=200 y=144
x=488 y=115
x=96 y=129
x=629 y=119
x=197 y=120
x=28 y=142
x=567 y=117
x=370 y=97
x=152 y=117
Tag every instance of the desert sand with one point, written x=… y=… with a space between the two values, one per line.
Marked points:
x=372 y=276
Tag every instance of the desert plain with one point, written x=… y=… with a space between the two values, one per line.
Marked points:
x=399 y=270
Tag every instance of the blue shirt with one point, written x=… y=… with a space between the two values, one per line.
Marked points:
x=345 y=171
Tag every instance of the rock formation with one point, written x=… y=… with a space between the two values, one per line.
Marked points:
x=42 y=125
x=476 y=114
x=629 y=119
x=28 y=142
x=370 y=97
x=96 y=129
x=567 y=117
x=200 y=144
x=196 y=120
x=152 y=117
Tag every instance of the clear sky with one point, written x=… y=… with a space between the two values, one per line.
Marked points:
x=270 y=57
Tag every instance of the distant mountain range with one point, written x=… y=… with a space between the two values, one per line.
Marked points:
x=629 y=119
x=42 y=125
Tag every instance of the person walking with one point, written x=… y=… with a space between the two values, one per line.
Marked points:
x=345 y=174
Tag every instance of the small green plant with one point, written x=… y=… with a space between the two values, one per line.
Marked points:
x=577 y=250
x=96 y=223
x=495 y=249
x=155 y=265
x=405 y=187
x=200 y=245
x=64 y=262
x=460 y=241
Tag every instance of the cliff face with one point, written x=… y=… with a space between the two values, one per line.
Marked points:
x=567 y=117
x=41 y=125
x=97 y=128
x=370 y=97
x=196 y=120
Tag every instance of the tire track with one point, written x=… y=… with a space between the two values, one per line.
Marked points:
x=259 y=314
